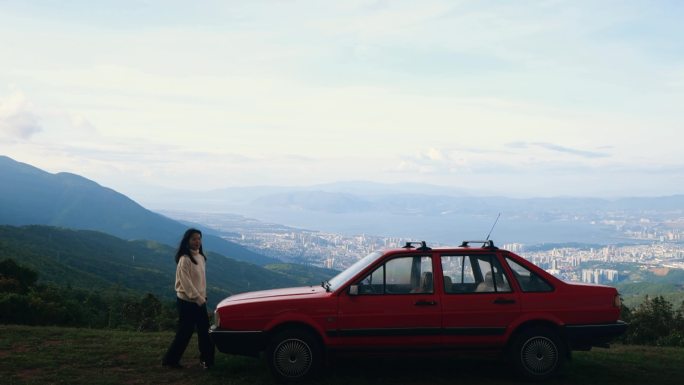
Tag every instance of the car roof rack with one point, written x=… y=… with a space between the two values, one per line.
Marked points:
x=423 y=246
x=487 y=244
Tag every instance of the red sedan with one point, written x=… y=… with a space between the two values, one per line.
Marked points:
x=422 y=299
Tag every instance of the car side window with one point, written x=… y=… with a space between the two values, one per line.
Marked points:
x=458 y=274
x=404 y=275
x=473 y=274
x=527 y=279
x=374 y=282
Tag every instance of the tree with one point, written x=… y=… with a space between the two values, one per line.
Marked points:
x=15 y=278
x=654 y=322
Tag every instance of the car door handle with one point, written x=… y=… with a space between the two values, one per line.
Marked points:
x=504 y=301
x=426 y=303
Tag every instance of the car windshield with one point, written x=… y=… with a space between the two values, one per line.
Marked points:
x=354 y=269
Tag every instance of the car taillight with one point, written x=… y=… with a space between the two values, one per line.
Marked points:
x=617 y=301
x=217 y=319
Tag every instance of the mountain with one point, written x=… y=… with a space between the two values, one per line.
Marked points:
x=29 y=196
x=316 y=201
x=438 y=213
x=437 y=204
x=225 y=199
x=94 y=260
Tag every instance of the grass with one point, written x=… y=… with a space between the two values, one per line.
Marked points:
x=54 y=355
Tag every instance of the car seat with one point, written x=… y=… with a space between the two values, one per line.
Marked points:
x=487 y=285
x=425 y=283
x=448 y=284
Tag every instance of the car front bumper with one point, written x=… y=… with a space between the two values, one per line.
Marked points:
x=248 y=343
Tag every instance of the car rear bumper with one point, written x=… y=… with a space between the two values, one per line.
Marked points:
x=248 y=343
x=583 y=337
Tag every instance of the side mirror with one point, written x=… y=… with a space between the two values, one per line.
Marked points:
x=354 y=290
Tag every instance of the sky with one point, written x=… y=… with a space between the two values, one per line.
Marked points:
x=514 y=98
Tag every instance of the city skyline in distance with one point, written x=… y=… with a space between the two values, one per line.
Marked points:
x=643 y=255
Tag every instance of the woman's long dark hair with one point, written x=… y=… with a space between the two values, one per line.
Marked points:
x=184 y=247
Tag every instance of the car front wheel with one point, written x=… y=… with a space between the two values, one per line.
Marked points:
x=537 y=354
x=294 y=355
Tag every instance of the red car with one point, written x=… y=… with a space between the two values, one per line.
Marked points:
x=418 y=298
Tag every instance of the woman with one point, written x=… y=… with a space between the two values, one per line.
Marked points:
x=191 y=299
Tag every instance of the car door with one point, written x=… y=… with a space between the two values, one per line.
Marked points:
x=479 y=302
x=395 y=305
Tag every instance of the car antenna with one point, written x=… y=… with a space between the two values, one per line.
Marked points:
x=492 y=229
x=486 y=243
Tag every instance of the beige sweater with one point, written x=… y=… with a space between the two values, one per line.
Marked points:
x=191 y=281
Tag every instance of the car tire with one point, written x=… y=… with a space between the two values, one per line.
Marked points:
x=294 y=355
x=537 y=353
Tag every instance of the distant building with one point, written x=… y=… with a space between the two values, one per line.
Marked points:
x=554 y=264
x=514 y=247
x=599 y=276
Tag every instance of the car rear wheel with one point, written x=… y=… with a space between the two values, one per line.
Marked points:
x=294 y=355
x=537 y=354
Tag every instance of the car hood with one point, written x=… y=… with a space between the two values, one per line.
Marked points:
x=288 y=292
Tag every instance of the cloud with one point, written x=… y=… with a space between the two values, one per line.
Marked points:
x=447 y=161
x=561 y=149
x=18 y=120
x=568 y=150
x=515 y=158
x=433 y=154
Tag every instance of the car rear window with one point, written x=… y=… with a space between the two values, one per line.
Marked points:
x=527 y=279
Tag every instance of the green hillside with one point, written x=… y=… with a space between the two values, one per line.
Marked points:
x=36 y=197
x=93 y=260
x=642 y=283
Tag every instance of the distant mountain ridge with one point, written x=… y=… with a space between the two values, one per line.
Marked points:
x=30 y=196
x=338 y=202
x=358 y=196
x=435 y=213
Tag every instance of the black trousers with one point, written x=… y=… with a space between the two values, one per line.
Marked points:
x=191 y=317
